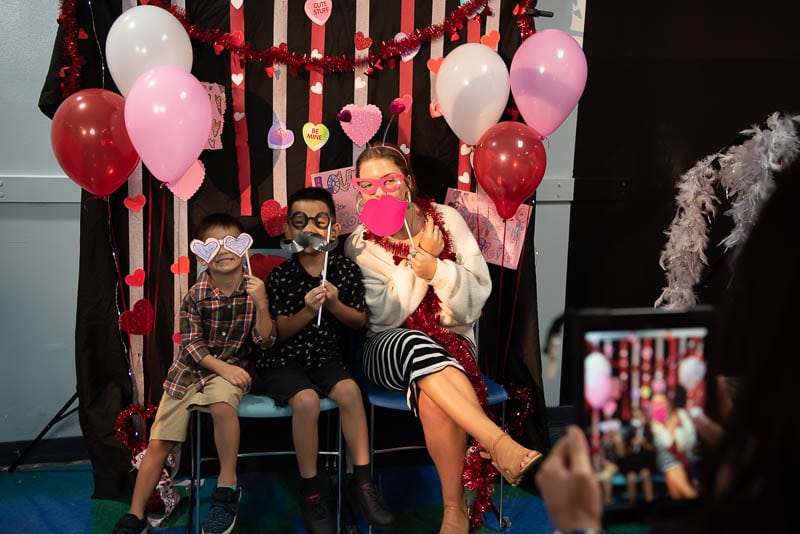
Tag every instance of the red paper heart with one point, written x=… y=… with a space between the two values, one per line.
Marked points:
x=262 y=264
x=491 y=39
x=176 y=338
x=270 y=71
x=273 y=217
x=139 y=319
x=435 y=110
x=218 y=48
x=237 y=37
x=135 y=203
x=82 y=34
x=434 y=64
x=136 y=278
x=362 y=42
x=181 y=266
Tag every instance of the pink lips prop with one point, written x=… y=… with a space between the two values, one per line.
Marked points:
x=383 y=216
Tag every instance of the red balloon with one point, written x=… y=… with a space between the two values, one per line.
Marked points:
x=90 y=141
x=509 y=163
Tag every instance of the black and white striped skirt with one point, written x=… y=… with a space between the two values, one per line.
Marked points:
x=397 y=358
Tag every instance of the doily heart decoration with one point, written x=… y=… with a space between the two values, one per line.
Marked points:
x=273 y=217
x=238 y=245
x=188 y=184
x=205 y=250
x=139 y=319
x=364 y=122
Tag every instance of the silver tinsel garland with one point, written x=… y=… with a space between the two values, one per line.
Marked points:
x=745 y=173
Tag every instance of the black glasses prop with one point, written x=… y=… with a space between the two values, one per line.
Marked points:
x=299 y=220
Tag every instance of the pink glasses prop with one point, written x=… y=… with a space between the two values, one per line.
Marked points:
x=369 y=186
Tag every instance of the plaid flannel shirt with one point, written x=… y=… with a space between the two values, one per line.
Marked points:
x=211 y=324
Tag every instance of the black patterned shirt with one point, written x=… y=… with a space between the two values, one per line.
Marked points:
x=314 y=345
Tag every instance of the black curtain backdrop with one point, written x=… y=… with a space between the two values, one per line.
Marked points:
x=668 y=84
x=104 y=386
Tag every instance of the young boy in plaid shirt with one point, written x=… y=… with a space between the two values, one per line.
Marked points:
x=224 y=312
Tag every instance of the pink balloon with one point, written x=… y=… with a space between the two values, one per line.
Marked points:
x=168 y=117
x=596 y=380
x=548 y=74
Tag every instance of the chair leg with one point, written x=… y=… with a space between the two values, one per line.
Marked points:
x=339 y=468
x=501 y=519
x=196 y=478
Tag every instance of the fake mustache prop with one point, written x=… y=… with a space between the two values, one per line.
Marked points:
x=303 y=241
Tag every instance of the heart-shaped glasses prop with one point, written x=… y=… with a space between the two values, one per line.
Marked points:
x=207 y=250
x=369 y=186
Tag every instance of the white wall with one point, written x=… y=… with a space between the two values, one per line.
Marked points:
x=39 y=225
x=38 y=240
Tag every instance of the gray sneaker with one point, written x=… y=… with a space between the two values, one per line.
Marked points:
x=222 y=514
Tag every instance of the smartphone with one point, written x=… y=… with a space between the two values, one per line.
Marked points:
x=642 y=380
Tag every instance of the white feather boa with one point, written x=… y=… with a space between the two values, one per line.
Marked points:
x=745 y=172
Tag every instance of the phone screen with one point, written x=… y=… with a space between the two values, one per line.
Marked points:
x=642 y=386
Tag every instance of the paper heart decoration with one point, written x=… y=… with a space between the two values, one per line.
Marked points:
x=360 y=82
x=465 y=149
x=135 y=203
x=435 y=110
x=82 y=34
x=315 y=135
x=137 y=320
x=361 y=41
x=236 y=3
x=408 y=55
x=205 y=250
x=315 y=54
x=464 y=178
x=188 y=184
x=404 y=149
x=318 y=10
x=262 y=264
x=279 y=136
x=383 y=216
x=491 y=39
x=237 y=78
x=270 y=71
x=364 y=123
x=407 y=100
x=273 y=217
x=218 y=48
x=136 y=278
x=176 y=338
x=237 y=37
x=434 y=64
x=181 y=266
x=316 y=88
x=238 y=245
x=238 y=115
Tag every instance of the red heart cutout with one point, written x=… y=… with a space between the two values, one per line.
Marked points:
x=181 y=266
x=218 y=48
x=273 y=217
x=491 y=39
x=434 y=64
x=516 y=10
x=135 y=203
x=136 y=278
x=82 y=34
x=270 y=71
x=362 y=42
x=139 y=319
x=435 y=110
x=176 y=338
x=262 y=264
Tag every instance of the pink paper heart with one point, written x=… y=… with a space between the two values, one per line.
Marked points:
x=188 y=184
x=383 y=216
x=318 y=10
x=364 y=122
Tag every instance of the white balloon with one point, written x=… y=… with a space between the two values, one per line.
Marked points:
x=142 y=38
x=691 y=371
x=472 y=88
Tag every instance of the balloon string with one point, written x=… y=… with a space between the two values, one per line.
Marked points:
x=324 y=274
x=499 y=304
x=410 y=237
x=515 y=300
x=99 y=48
x=151 y=338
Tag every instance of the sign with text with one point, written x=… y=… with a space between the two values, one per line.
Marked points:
x=337 y=182
x=500 y=241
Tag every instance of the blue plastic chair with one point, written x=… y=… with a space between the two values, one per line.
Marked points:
x=263 y=407
x=396 y=400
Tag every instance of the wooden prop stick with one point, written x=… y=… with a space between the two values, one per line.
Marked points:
x=324 y=272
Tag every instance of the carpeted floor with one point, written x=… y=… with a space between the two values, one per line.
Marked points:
x=55 y=499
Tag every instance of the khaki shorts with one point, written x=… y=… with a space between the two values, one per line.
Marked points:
x=172 y=416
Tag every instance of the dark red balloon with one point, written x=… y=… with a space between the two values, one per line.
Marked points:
x=509 y=163
x=90 y=141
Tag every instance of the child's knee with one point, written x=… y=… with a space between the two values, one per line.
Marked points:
x=347 y=393
x=305 y=403
x=222 y=409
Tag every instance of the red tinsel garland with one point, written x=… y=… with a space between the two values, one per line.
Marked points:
x=280 y=54
x=524 y=21
x=478 y=474
x=125 y=430
x=70 y=73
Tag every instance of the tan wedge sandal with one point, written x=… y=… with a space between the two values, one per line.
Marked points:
x=511 y=459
